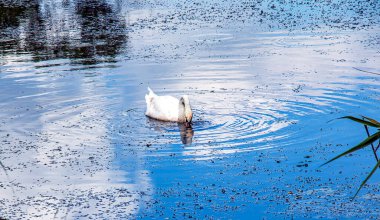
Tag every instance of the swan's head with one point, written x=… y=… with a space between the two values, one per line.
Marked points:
x=187 y=114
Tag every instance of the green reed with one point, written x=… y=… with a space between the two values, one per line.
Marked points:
x=367 y=122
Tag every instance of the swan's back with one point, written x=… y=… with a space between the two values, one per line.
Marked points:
x=163 y=108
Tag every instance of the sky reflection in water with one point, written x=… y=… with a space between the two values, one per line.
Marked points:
x=263 y=78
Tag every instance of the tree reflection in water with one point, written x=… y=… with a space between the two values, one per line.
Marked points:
x=85 y=31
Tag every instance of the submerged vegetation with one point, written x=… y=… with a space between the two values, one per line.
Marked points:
x=370 y=140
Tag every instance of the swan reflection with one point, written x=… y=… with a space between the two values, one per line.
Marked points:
x=186 y=133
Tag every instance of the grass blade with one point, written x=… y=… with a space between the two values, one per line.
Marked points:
x=362 y=144
x=366 y=179
x=372 y=120
x=361 y=121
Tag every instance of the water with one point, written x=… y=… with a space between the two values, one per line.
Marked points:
x=264 y=79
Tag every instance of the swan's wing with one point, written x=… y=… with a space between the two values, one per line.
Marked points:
x=162 y=107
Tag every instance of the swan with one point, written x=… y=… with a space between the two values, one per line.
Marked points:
x=168 y=108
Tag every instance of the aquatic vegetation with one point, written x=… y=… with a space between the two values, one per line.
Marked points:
x=370 y=140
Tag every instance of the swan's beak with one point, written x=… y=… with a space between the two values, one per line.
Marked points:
x=188 y=118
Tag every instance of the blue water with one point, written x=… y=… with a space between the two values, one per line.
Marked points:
x=265 y=80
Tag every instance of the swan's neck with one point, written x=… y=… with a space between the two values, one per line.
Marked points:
x=181 y=113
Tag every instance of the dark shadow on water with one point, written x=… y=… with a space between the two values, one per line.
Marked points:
x=85 y=31
x=186 y=133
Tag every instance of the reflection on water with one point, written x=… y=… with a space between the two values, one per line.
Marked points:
x=79 y=30
x=73 y=75
x=186 y=133
x=54 y=128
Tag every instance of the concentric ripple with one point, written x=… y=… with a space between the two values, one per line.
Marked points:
x=211 y=135
x=234 y=133
x=229 y=128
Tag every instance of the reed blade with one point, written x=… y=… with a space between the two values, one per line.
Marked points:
x=372 y=120
x=361 y=121
x=366 y=179
x=361 y=145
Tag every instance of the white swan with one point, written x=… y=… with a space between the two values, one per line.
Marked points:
x=168 y=108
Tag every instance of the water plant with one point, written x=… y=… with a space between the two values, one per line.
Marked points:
x=370 y=140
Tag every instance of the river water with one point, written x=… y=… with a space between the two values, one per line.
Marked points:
x=266 y=79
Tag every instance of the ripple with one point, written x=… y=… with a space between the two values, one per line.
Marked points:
x=233 y=133
x=73 y=78
x=231 y=120
x=213 y=134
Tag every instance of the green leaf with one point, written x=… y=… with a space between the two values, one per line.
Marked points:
x=372 y=120
x=361 y=145
x=361 y=121
x=366 y=179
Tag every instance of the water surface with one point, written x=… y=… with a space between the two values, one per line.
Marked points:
x=264 y=79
